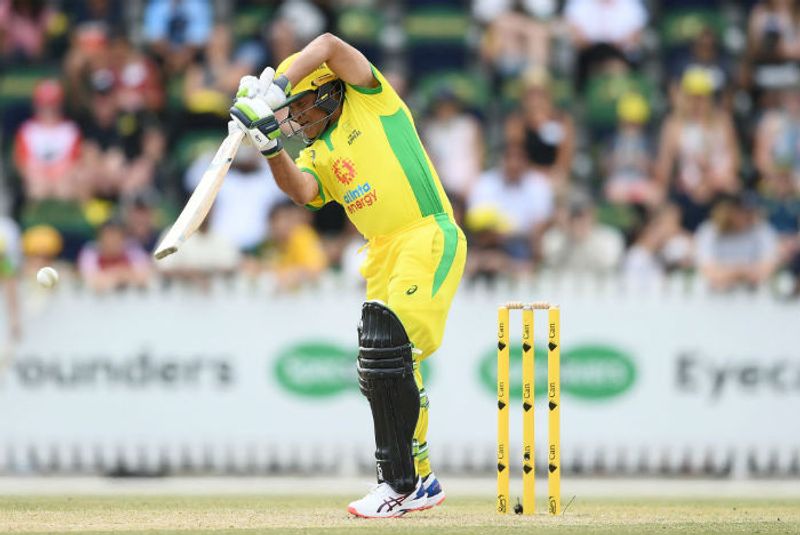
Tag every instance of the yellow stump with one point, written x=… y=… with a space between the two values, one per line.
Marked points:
x=554 y=410
x=528 y=471
x=502 y=411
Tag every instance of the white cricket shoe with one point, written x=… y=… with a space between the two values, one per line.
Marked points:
x=384 y=502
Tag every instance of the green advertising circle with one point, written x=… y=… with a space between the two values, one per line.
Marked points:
x=589 y=371
x=322 y=369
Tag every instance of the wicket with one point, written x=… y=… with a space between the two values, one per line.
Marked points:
x=553 y=404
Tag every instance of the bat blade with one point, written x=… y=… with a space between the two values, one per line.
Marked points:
x=202 y=198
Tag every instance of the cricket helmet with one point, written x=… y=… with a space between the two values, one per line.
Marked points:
x=322 y=81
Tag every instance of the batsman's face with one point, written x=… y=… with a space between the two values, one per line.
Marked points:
x=307 y=116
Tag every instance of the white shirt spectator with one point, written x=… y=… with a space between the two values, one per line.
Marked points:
x=758 y=243
x=606 y=21
x=600 y=251
x=241 y=210
x=452 y=147
x=307 y=20
x=206 y=252
x=525 y=204
x=46 y=155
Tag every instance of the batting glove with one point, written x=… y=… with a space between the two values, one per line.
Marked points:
x=257 y=120
x=272 y=90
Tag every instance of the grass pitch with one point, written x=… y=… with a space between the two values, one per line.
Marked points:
x=153 y=515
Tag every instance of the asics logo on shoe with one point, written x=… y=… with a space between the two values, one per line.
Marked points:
x=392 y=503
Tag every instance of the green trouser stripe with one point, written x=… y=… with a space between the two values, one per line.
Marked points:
x=448 y=251
x=423 y=399
x=420 y=451
x=410 y=155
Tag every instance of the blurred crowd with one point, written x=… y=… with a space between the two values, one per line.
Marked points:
x=629 y=137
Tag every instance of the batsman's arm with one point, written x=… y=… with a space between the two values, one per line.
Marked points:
x=301 y=187
x=256 y=120
x=346 y=61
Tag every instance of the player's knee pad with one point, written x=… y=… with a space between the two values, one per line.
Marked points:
x=386 y=378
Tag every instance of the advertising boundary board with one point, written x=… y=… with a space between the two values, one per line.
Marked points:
x=241 y=380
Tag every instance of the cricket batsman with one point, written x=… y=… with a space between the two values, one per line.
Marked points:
x=363 y=152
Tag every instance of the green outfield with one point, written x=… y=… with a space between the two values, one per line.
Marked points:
x=313 y=514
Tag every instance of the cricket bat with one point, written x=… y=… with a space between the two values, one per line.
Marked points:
x=202 y=198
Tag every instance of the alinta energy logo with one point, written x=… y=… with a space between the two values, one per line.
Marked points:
x=356 y=196
x=588 y=371
x=344 y=170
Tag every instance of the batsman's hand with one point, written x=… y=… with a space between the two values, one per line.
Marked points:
x=256 y=119
x=273 y=91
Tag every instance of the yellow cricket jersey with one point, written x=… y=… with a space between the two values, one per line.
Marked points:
x=371 y=161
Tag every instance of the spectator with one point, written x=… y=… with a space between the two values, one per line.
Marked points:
x=87 y=61
x=295 y=252
x=780 y=201
x=98 y=57
x=773 y=51
x=698 y=145
x=777 y=139
x=515 y=42
x=141 y=220
x=23 y=29
x=735 y=247
x=705 y=54
x=454 y=140
x=524 y=197
x=108 y=12
x=579 y=244
x=628 y=162
x=307 y=18
x=176 y=30
x=242 y=207
x=121 y=150
x=206 y=255
x=137 y=81
x=660 y=247
x=113 y=261
x=773 y=31
x=777 y=159
x=547 y=134
x=10 y=263
x=47 y=148
x=604 y=32
x=281 y=40
x=488 y=255
x=212 y=79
